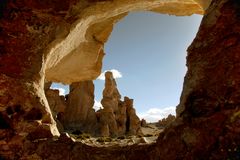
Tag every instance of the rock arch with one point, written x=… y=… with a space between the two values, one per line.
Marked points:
x=85 y=38
x=38 y=36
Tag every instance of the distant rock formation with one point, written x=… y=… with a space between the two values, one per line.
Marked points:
x=121 y=118
x=79 y=113
x=117 y=117
x=166 y=121
x=111 y=97
x=133 y=122
x=143 y=123
x=75 y=112
x=64 y=42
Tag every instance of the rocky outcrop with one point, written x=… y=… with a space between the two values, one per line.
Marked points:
x=143 y=123
x=76 y=113
x=56 y=102
x=77 y=50
x=111 y=95
x=133 y=123
x=57 y=105
x=109 y=102
x=166 y=121
x=121 y=118
x=117 y=117
x=45 y=38
x=79 y=113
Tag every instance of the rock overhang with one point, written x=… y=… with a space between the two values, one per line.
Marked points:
x=206 y=126
x=77 y=52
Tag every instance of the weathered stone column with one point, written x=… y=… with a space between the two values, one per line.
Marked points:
x=133 y=123
x=79 y=114
x=109 y=102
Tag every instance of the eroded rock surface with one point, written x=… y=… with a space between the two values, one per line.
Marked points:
x=133 y=123
x=110 y=100
x=79 y=113
x=166 y=121
x=77 y=51
x=57 y=105
x=117 y=117
x=74 y=113
x=207 y=124
x=143 y=123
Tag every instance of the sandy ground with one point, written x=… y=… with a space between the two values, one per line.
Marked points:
x=150 y=134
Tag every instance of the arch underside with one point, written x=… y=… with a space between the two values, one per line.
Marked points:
x=78 y=54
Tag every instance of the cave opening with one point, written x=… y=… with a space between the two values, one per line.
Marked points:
x=200 y=131
x=146 y=54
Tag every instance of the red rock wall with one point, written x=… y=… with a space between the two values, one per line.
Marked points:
x=208 y=117
x=24 y=113
x=209 y=113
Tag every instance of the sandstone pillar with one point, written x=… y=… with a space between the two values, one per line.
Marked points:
x=109 y=102
x=79 y=113
x=133 y=123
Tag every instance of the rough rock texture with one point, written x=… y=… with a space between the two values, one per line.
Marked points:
x=40 y=36
x=121 y=118
x=108 y=124
x=111 y=95
x=109 y=102
x=57 y=105
x=77 y=49
x=79 y=113
x=207 y=124
x=76 y=113
x=117 y=117
x=166 y=121
x=143 y=123
x=133 y=123
x=56 y=102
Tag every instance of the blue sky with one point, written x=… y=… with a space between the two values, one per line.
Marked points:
x=149 y=50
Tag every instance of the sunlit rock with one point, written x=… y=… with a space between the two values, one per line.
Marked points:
x=63 y=41
x=77 y=50
x=79 y=113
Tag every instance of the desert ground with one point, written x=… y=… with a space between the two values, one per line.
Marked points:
x=150 y=134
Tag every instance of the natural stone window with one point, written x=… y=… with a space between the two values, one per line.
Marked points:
x=73 y=109
x=44 y=40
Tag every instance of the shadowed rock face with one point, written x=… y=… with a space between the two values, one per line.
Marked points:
x=76 y=113
x=133 y=122
x=42 y=38
x=117 y=117
x=166 y=121
x=79 y=113
x=57 y=105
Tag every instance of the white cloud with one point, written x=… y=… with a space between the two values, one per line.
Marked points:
x=116 y=74
x=62 y=91
x=156 y=114
x=97 y=105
